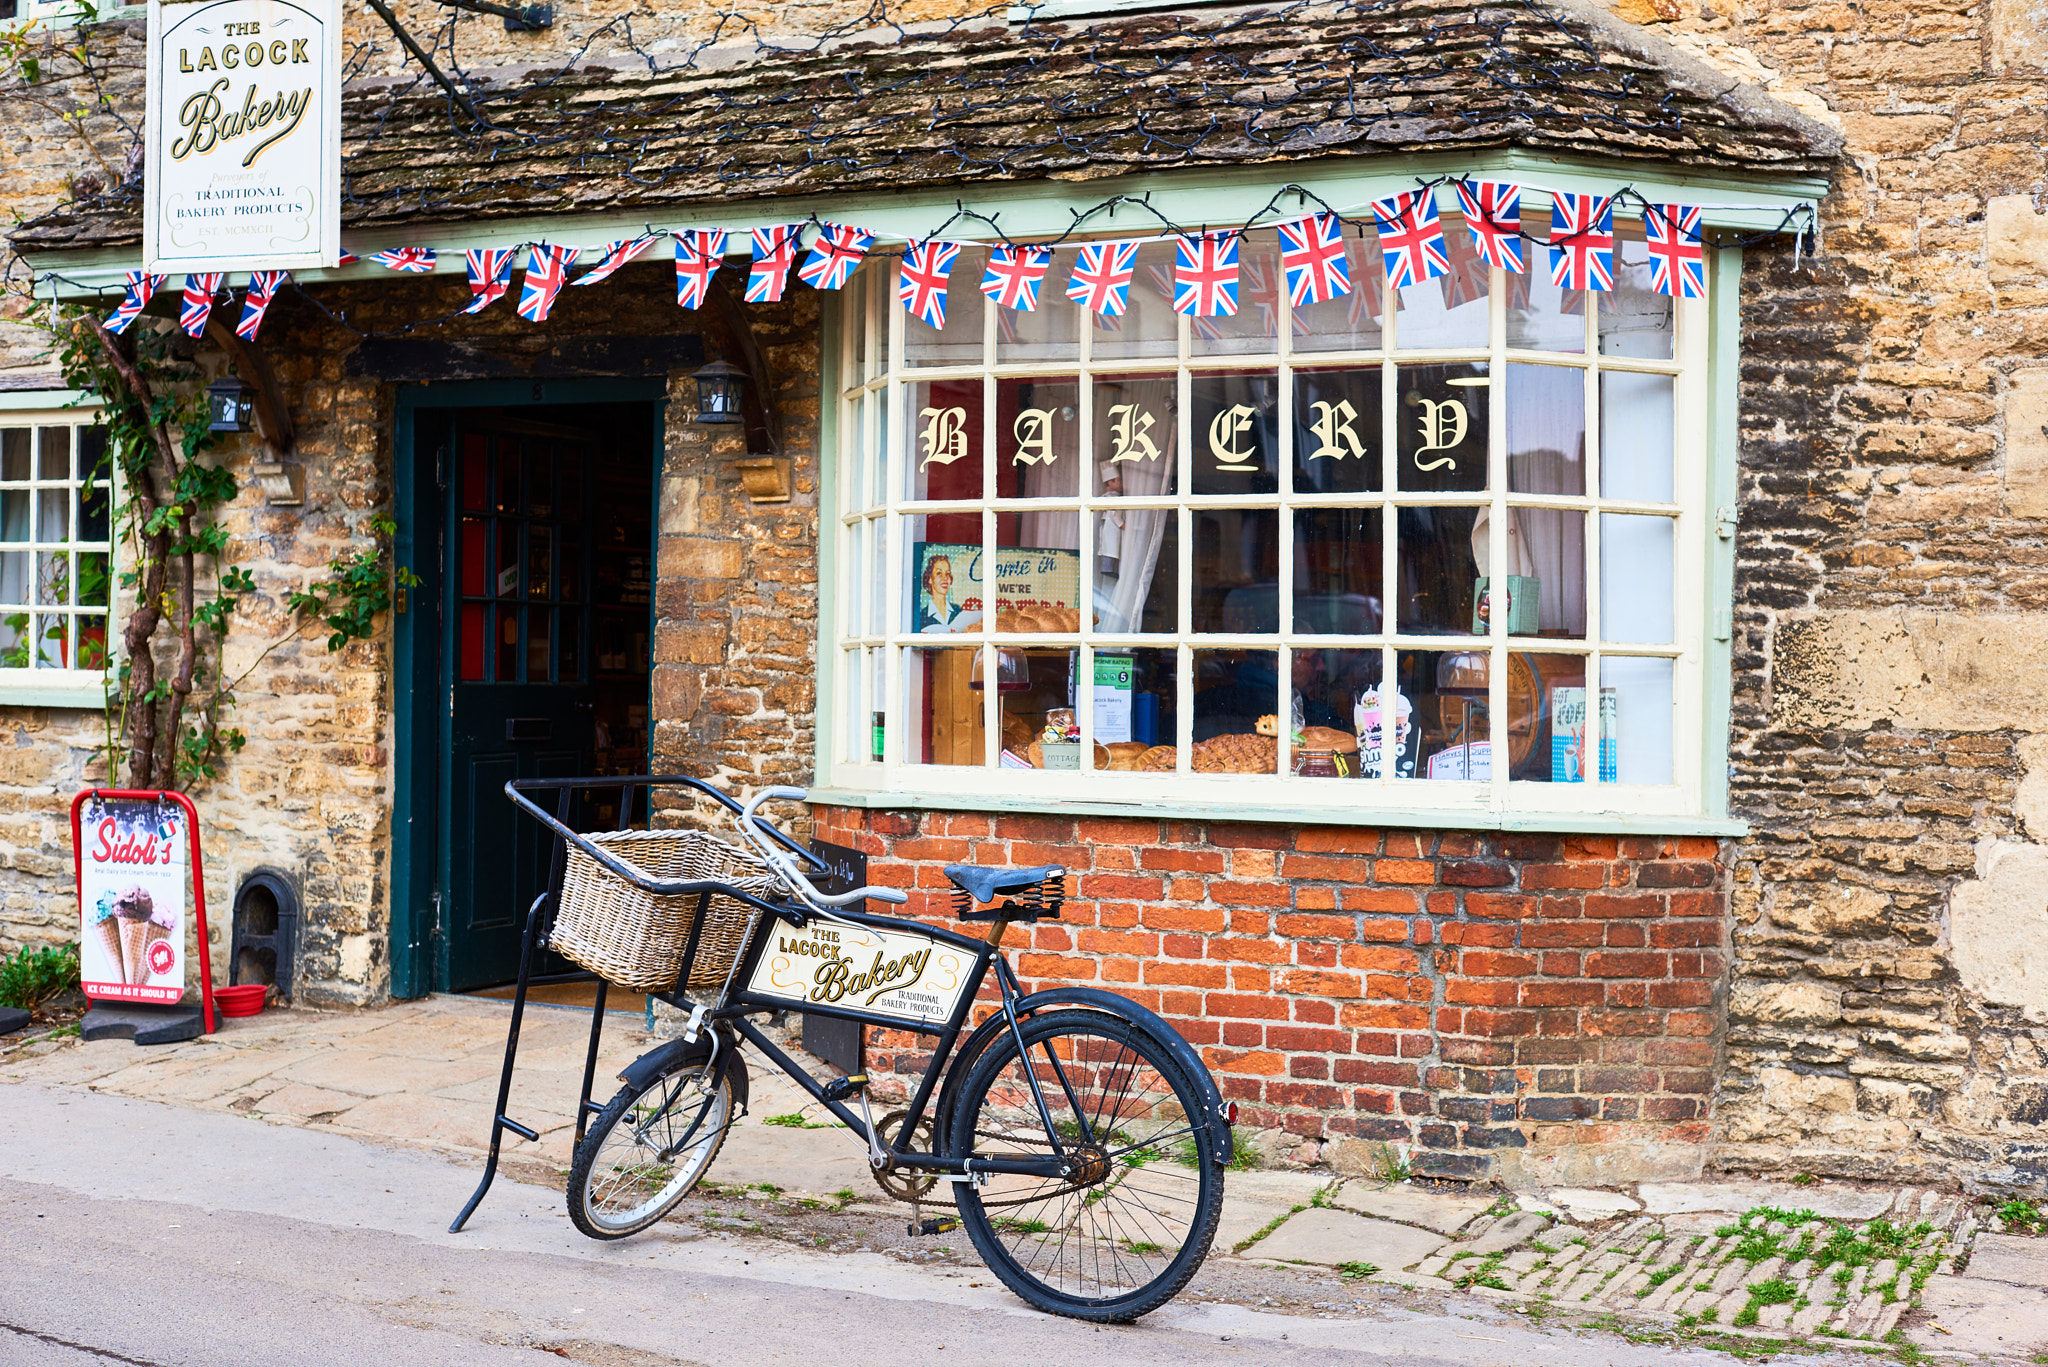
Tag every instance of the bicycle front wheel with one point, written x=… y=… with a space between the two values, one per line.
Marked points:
x=646 y=1150
x=1132 y=1219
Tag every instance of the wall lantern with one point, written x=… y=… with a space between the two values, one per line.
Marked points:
x=230 y=404
x=718 y=392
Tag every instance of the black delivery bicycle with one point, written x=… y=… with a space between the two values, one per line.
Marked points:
x=1082 y=1138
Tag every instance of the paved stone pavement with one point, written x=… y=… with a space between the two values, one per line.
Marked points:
x=1829 y=1263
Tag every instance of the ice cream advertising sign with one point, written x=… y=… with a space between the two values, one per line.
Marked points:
x=132 y=864
x=243 y=135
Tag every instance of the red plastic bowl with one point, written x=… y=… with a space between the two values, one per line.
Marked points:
x=244 y=1000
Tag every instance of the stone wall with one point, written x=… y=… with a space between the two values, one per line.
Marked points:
x=1531 y=1009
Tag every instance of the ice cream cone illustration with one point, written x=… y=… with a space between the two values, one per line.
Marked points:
x=132 y=908
x=104 y=929
x=157 y=931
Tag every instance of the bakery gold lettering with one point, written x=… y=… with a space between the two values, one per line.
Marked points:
x=836 y=979
x=207 y=122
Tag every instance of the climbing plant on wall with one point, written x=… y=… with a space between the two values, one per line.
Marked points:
x=168 y=691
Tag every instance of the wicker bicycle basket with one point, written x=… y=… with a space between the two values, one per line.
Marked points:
x=636 y=940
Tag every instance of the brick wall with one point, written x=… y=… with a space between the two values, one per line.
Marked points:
x=1509 y=1006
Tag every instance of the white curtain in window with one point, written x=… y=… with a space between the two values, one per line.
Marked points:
x=1120 y=597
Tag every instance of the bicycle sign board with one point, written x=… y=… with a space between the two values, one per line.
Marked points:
x=856 y=968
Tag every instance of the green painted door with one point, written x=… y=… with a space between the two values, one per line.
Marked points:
x=521 y=702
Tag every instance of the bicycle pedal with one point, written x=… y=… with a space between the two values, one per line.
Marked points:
x=923 y=1227
x=841 y=1088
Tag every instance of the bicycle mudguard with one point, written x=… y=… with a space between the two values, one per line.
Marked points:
x=1095 y=999
x=678 y=1052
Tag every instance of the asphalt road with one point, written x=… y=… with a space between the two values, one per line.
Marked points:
x=137 y=1233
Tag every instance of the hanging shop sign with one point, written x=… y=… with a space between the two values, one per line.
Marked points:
x=134 y=852
x=242 y=142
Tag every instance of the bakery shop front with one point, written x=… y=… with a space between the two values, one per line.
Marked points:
x=1362 y=652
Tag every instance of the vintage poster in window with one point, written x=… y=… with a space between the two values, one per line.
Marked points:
x=1037 y=588
x=242 y=136
x=131 y=893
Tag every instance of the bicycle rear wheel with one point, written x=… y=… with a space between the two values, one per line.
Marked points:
x=646 y=1150
x=1130 y=1223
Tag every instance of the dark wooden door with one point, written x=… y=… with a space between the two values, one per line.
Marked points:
x=520 y=699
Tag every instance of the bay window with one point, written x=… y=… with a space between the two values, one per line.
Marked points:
x=1441 y=547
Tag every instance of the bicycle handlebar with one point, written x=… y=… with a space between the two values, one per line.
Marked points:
x=784 y=865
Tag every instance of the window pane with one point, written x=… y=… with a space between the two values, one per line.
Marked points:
x=1041 y=723
x=14 y=506
x=1137 y=570
x=1641 y=748
x=1323 y=710
x=1541 y=316
x=1637 y=432
x=508 y=475
x=53 y=578
x=539 y=559
x=475 y=472
x=1451 y=310
x=1038 y=582
x=1440 y=428
x=568 y=646
x=508 y=644
x=1546 y=430
x=1038 y=438
x=1453 y=715
x=945 y=580
x=873 y=587
x=1134 y=709
x=474 y=530
x=52 y=649
x=943 y=706
x=473 y=632
x=92 y=641
x=92 y=509
x=1438 y=568
x=507 y=580
x=95 y=578
x=14 y=461
x=1337 y=431
x=1549 y=728
x=1236 y=691
x=1350 y=322
x=1237 y=570
x=53 y=515
x=945 y=439
x=1635 y=320
x=1148 y=326
x=1545 y=572
x=538 y=653
x=1384 y=720
x=14 y=586
x=54 y=451
x=1255 y=328
x=960 y=342
x=1337 y=571
x=1235 y=432
x=1050 y=332
x=1636 y=566
x=542 y=478
x=92 y=452
x=1136 y=424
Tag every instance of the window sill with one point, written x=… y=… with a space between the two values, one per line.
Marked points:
x=62 y=688
x=1562 y=823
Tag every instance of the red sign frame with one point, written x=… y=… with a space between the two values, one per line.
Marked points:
x=198 y=872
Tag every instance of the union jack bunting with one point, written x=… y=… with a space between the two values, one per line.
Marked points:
x=921 y=284
x=141 y=285
x=834 y=254
x=774 y=254
x=699 y=254
x=1312 y=254
x=1582 y=241
x=1493 y=214
x=1014 y=274
x=199 y=292
x=417 y=260
x=256 y=302
x=1102 y=277
x=1677 y=261
x=347 y=258
x=490 y=275
x=547 y=270
x=1411 y=237
x=616 y=254
x=1205 y=275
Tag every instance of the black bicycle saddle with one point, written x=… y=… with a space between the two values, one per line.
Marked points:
x=985 y=885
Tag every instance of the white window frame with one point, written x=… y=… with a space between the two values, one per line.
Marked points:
x=33 y=686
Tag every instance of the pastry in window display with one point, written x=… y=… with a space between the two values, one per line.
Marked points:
x=1160 y=759
x=1124 y=755
x=1238 y=754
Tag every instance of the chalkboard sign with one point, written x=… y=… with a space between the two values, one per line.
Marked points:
x=838 y=1042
